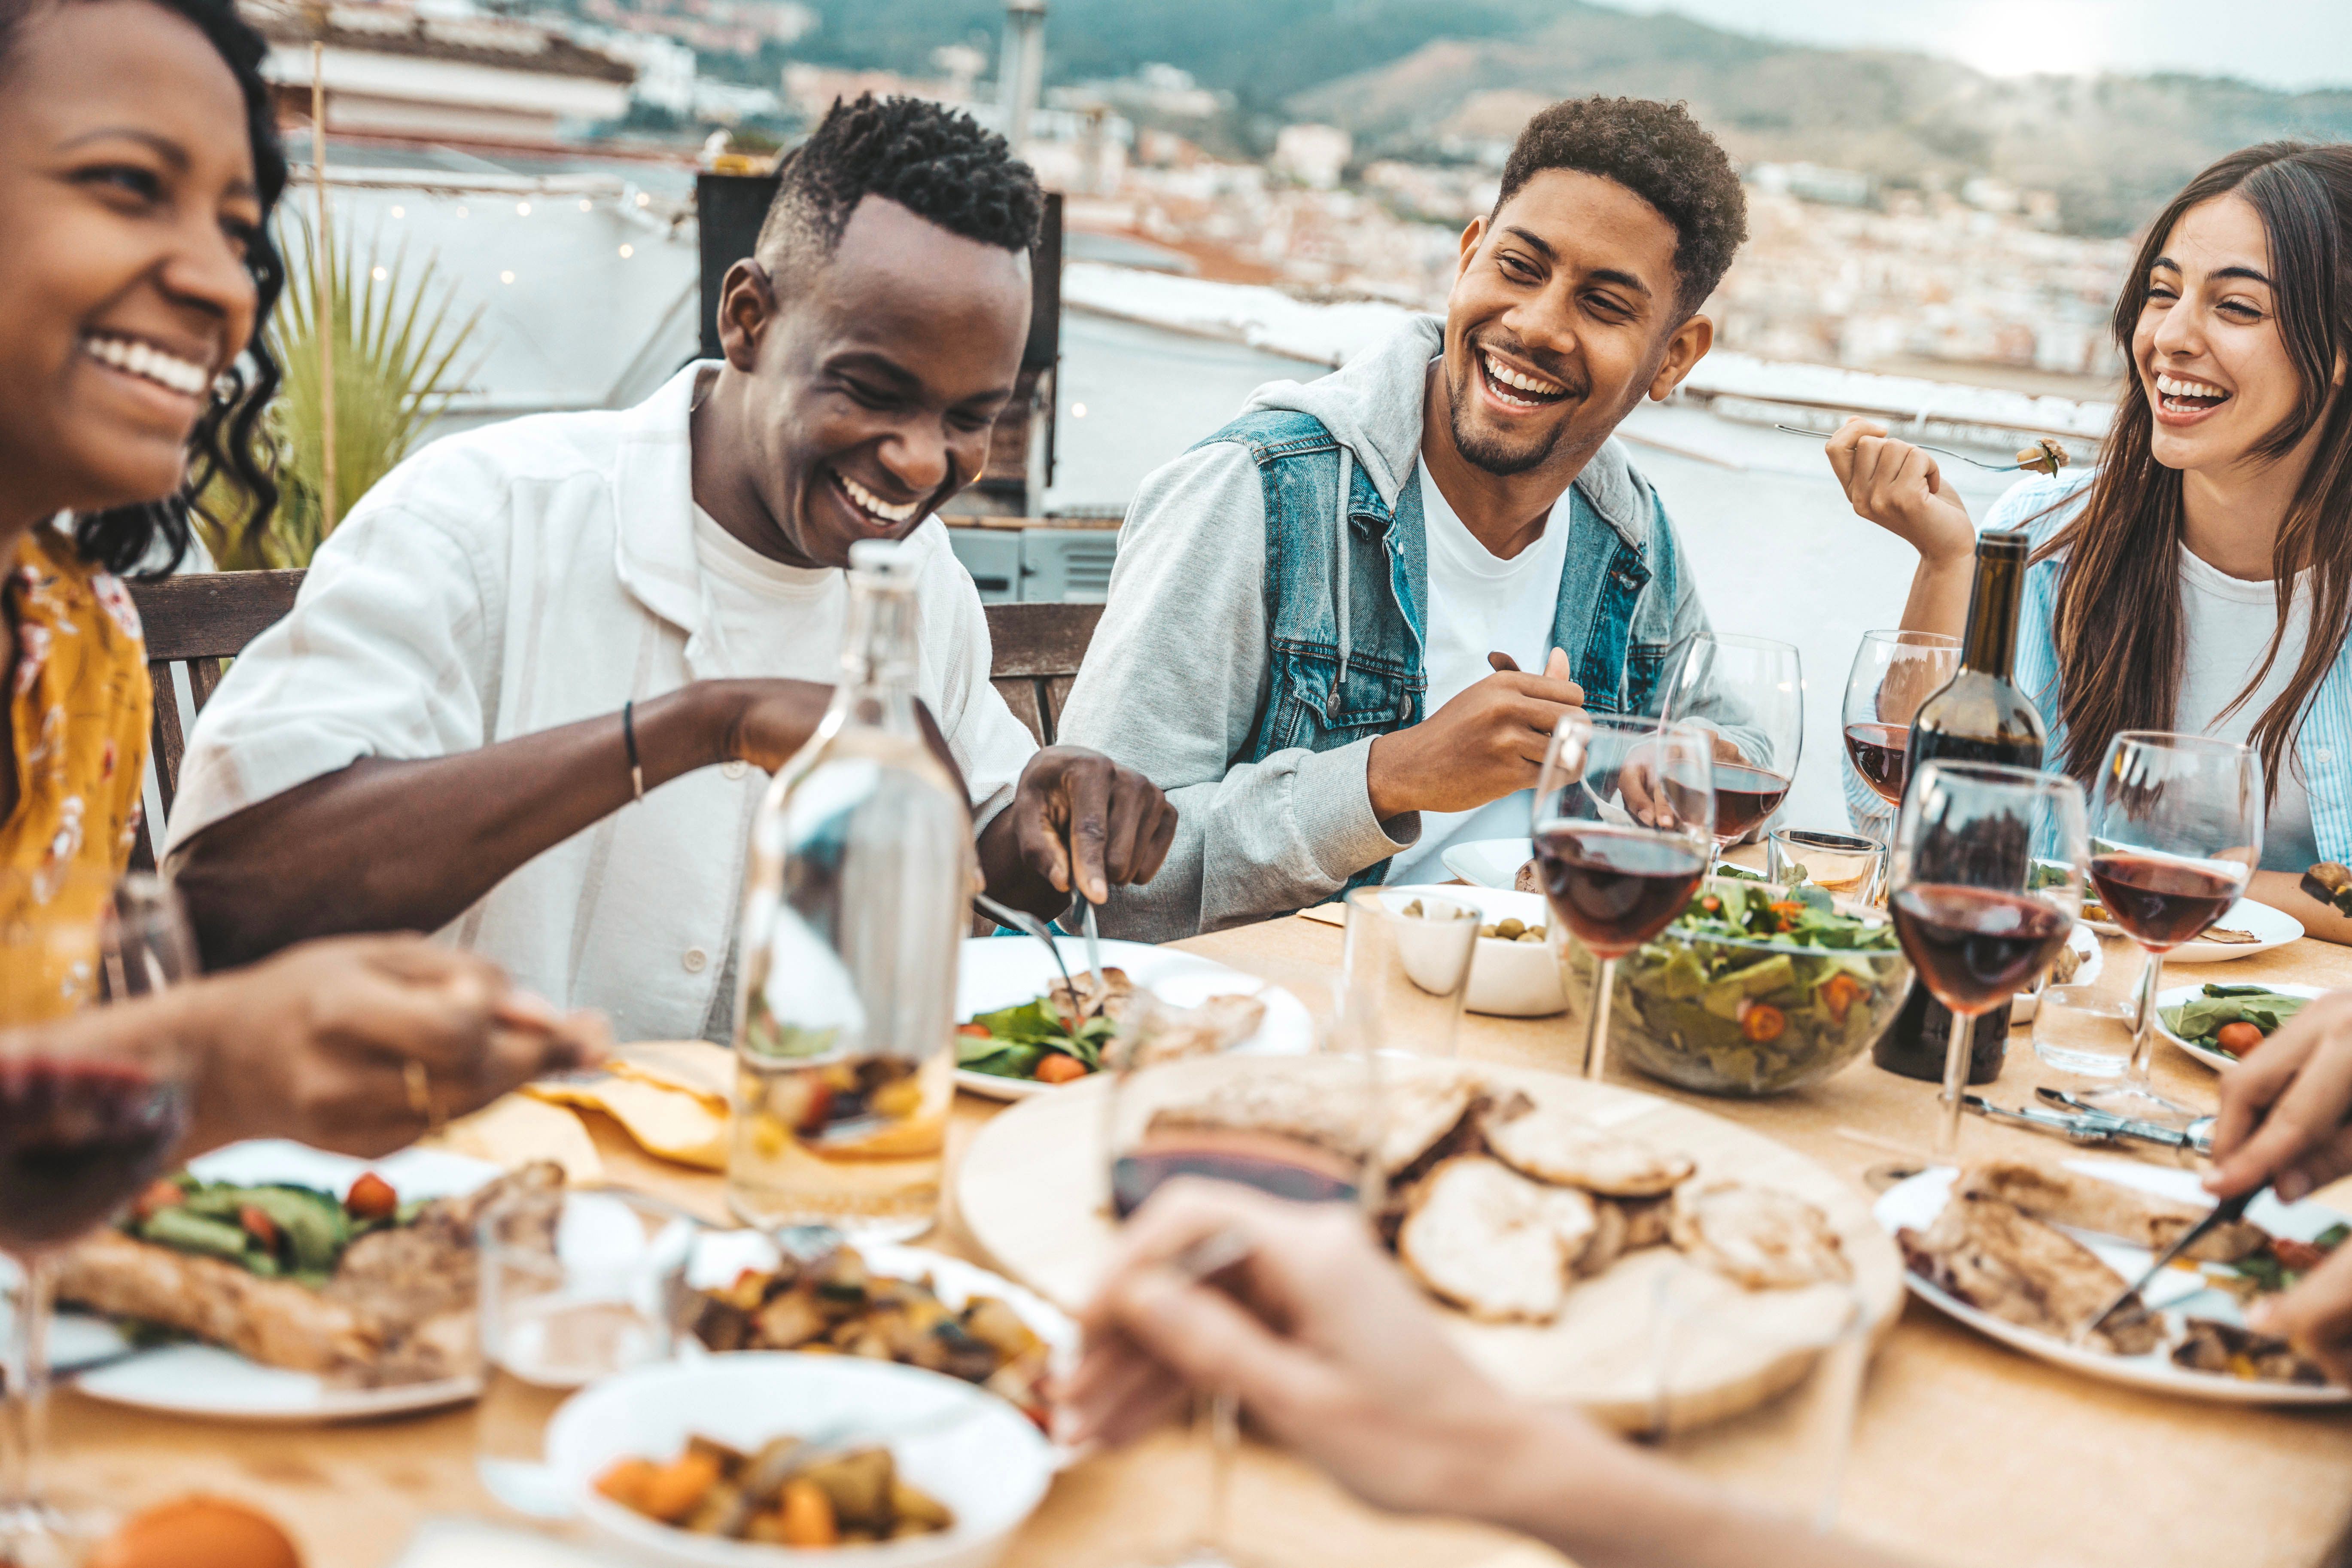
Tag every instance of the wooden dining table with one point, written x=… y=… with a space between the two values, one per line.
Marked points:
x=1964 y=1452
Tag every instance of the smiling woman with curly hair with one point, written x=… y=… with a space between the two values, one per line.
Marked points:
x=138 y=166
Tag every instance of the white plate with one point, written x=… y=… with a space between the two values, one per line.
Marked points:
x=2276 y=928
x=1005 y=970
x=220 y=1384
x=990 y=1468
x=2173 y=996
x=1489 y=862
x=1914 y=1204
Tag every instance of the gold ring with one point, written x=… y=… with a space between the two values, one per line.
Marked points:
x=420 y=1088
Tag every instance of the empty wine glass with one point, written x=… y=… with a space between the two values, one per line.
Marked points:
x=1748 y=694
x=1985 y=882
x=1624 y=829
x=86 y=1121
x=2176 y=835
x=1893 y=673
x=1215 y=1117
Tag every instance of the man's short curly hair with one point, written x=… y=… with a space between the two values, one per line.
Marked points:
x=1661 y=154
x=936 y=162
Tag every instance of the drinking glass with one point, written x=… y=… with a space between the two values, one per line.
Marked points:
x=1985 y=881
x=1749 y=694
x=2176 y=835
x=574 y=1287
x=1623 y=830
x=1840 y=863
x=1408 y=957
x=1893 y=673
x=1164 y=1121
x=86 y=1121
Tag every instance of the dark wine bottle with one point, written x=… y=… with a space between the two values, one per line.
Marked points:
x=1978 y=716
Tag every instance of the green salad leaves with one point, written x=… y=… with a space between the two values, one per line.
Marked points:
x=1012 y=1041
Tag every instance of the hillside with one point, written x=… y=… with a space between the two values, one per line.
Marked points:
x=1406 y=75
x=2110 y=147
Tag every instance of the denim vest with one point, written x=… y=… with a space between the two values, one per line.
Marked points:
x=1345 y=635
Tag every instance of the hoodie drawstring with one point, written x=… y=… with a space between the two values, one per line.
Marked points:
x=1339 y=556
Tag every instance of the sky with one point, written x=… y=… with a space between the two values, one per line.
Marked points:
x=2279 y=43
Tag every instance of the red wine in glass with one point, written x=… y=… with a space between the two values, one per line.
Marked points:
x=1743 y=796
x=1615 y=887
x=1879 y=752
x=1284 y=1167
x=2162 y=903
x=78 y=1139
x=1974 y=946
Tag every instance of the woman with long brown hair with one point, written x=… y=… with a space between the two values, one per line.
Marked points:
x=2200 y=579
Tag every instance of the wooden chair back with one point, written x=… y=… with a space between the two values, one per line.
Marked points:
x=1037 y=651
x=196 y=621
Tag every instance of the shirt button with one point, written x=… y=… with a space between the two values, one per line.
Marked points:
x=695 y=960
x=734 y=770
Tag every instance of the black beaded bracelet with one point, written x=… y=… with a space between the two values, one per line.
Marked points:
x=629 y=739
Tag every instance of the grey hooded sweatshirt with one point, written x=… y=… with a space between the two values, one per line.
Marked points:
x=1176 y=678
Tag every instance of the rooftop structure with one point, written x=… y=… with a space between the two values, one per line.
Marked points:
x=392 y=71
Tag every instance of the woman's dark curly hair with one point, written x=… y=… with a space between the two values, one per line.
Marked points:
x=228 y=442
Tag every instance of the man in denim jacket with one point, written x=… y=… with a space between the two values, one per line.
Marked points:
x=1342 y=629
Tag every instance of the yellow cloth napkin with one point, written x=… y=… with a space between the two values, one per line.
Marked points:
x=515 y=1129
x=669 y=1095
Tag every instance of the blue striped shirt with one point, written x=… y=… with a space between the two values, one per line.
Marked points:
x=2323 y=744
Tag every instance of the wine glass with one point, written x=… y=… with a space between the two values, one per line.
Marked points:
x=1893 y=673
x=1985 y=882
x=1307 y=1129
x=86 y=1121
x=1749 y=694
x=1624 y=829
x=2176 y=835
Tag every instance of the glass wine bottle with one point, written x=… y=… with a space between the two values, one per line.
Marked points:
x=1978 y=716
x=853 y=910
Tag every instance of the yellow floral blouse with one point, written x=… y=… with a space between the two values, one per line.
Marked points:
x=79 y=708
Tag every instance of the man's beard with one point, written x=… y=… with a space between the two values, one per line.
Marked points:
x=1490 y=456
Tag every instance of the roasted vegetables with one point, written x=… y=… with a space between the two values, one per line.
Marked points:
x=833 y=1306
x=789 y=1493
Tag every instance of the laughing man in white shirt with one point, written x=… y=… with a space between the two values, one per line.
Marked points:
x=436 y=737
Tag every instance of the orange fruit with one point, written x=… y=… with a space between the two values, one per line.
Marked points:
x=197 y=1532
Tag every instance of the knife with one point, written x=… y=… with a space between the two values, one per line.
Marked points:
x=2228 y=1210
x=2080 y=1130
x=2197 y=1137
x=1094 y=945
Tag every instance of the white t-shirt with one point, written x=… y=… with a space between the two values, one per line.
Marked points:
x=1478 y=603
x=2228 y=622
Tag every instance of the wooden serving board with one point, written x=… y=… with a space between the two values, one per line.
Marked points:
x=1033 y=1191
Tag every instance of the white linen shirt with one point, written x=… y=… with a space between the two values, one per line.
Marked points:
x=531 y=574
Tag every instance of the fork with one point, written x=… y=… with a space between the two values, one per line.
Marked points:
x=1939 y=451
x=1022 y=920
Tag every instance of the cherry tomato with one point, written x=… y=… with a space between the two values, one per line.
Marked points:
x=1839 y=994
x=371 y=1197
x=2239 y=1039
x=161 y=1194
x=259 y=1226
x=1059 y=1068
x=972 y=1031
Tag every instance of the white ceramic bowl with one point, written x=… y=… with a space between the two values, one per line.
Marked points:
x=1507 y=979
x=990 y=1468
